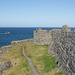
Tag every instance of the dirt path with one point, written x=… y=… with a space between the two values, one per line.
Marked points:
x=30 y=62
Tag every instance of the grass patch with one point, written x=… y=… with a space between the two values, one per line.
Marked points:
x=60 y=73
x=44 y=63
x=19 y=63
x=49 y=63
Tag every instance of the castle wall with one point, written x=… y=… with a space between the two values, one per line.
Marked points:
x=42 y=37
x=61 y=44
x=64 y=49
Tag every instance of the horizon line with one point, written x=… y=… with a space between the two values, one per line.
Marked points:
x=34 y=27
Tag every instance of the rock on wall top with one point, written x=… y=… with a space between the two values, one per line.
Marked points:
x=66 y=28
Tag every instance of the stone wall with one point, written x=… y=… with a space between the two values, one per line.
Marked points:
x=64 y=49
x=61 y=44
x=21 y=41
x=42 y=37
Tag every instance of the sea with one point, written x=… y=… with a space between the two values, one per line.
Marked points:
x=19 y=33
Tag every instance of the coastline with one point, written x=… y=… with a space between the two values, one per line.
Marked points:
x=4 y=49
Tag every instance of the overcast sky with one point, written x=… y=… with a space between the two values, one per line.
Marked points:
x=37 y=13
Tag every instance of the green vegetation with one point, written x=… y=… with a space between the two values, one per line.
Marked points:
x=19 y=63
x=60 y=73
x=49 y=63
x=44 y=63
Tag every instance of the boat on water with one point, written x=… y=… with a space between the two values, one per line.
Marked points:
x=7 y=32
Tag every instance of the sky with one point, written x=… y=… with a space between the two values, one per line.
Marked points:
x=37 y=13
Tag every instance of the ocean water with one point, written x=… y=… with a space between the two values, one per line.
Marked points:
x=18 y=34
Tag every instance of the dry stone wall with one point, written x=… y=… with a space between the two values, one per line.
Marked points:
x=61 y=44
x=42 y=37
x=64 y=49
x=21 y=41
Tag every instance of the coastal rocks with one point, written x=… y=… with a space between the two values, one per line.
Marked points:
x=5 y=66
x=4 y=49
x=7 y=32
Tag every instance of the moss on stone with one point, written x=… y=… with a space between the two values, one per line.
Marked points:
x=73 y=30
x=65 y=26
x=38 y=29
